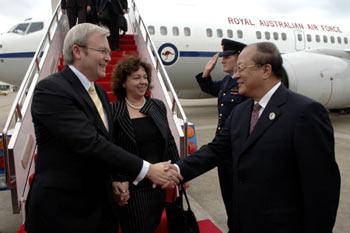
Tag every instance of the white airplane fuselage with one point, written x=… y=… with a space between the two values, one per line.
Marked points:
x=316 y=55
x=17 y=48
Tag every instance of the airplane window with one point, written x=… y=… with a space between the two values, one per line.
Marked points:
x=187 y=31
x=219 y=33
x=275 y=36
x=258 y=35
x=300 y=37
x=267 y=35
x=309 y=38
x=20 y=28
x=163 y=31
x=325 y=39
x=34 y=27
x=209 y=32
x=339 y=39
x=151 y=30
x=332 y=40
x=229 y=33
x=318 y=38
x=239 y=33
x=284 y=36
x=345 y=40
x=175 y=31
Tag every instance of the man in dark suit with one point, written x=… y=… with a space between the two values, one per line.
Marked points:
x=226 y=90
x=91 y=16
x=72 y=187
x=76 y=10
x=116 y=8
x=285 y=177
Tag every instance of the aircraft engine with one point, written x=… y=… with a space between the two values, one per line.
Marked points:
x=323 y=75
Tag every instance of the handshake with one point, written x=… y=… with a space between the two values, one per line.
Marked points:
x=164 y=174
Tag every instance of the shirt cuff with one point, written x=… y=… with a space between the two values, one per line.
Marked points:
x=145 y=167
x=177 y=168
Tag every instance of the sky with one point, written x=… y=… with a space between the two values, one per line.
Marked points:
x=12 y=11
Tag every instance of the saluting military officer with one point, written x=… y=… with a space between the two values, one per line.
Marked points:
x=228 y=97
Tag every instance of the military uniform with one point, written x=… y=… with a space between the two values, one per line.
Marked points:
x=227 y=92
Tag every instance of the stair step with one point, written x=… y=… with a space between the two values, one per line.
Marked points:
x=128 y=47
x=127 y=37
x=111 y=96
x=120 y=53
x=130 y=42
x=106 y=85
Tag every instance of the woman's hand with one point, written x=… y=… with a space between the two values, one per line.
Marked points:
x=121 y=192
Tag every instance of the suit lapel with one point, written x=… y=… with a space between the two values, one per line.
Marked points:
x=243 y=127
x=154 y=112
x=122 y=116
x=269 y=116
x=80 y=90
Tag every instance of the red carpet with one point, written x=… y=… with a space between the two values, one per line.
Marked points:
x=205 y=226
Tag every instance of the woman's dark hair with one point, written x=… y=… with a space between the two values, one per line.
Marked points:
x=123 y=69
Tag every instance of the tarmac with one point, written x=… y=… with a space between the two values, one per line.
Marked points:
x=204 y=192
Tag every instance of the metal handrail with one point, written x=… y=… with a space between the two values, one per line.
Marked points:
x=159 y=67
x=17 y=111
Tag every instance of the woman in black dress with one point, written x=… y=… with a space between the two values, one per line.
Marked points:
x=140 y=127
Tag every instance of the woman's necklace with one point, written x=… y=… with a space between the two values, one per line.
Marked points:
x=133 y=106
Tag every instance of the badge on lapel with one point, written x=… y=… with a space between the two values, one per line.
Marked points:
x=272 y=116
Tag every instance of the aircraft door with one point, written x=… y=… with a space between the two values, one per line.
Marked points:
x=299 y=40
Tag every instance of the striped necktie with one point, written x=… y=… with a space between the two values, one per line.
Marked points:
x=98 y=104
x=254 y=117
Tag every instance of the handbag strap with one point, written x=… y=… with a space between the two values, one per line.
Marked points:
x=183 y=191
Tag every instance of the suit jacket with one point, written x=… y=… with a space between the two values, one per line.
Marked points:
x=285 y=177
x=117 y=5
x=227 y=92
x=71 y=191
x=75 y=4
x=124 y=135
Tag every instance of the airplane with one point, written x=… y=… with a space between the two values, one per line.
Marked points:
x=17 y=48
x=316 y=54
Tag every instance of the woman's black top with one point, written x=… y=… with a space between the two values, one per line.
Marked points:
x=149 y=140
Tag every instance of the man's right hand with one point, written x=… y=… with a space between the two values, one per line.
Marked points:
x=209 y=67
x=161 y=174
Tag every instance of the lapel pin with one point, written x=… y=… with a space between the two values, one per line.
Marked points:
x=272 y=116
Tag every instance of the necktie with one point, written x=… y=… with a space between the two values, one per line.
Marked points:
x=255 y=116
x=98 y=104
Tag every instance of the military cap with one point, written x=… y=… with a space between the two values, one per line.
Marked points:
x=231 y=47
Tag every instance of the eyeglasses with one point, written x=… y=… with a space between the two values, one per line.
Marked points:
x=241 y=67
x=104 y=51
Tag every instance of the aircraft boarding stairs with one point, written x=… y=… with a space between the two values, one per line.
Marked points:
x=19 y=142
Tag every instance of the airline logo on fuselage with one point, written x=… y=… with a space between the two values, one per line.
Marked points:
x=168 y=53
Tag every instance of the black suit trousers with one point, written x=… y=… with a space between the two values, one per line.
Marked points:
x=76 y=13
x=112 y=25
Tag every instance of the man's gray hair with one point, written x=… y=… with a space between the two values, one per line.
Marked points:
x=79 y=35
